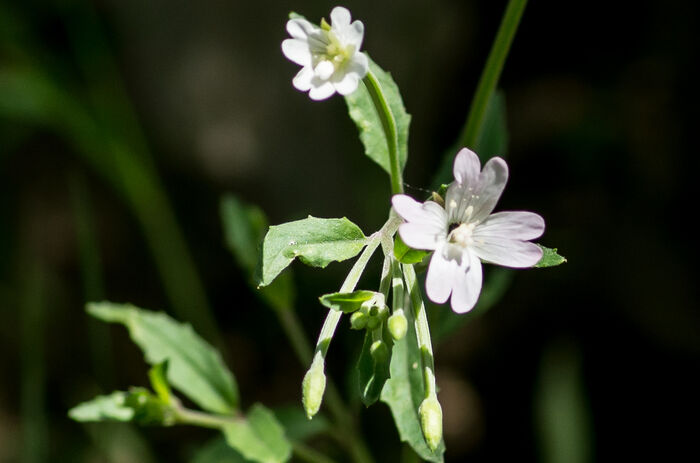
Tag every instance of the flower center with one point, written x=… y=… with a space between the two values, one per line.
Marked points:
x=461 y=234
x=337 y=53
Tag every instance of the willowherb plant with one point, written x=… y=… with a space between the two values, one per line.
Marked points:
x=455 y=231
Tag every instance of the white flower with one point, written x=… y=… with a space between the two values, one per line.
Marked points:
x=329 y=55
x=464 y=232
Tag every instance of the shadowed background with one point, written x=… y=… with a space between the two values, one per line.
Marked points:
x=123 y=123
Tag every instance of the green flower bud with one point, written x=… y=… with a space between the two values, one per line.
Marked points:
x=373 y=323
x=431 y=421
x=397 y=325
x=358 y=320
x=379 y=351
x=313 y=387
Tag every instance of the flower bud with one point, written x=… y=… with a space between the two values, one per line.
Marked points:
x=358 y=320
x=313 y=387
x=397 y=325
x=431 y=421
x=379 y=352
x=373 y=323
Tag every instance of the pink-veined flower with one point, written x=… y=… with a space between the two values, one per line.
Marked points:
x=465 y=232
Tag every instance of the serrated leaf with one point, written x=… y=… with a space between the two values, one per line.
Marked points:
x=348 y=302
x=103 y=408
x=259 y=437
x=404 y=392
x=550 y=258
x=407 y=255
x=362 y=111
x=316 y=242
x=244 y=228
x=195 y=368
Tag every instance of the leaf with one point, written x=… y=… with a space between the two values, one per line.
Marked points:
x=244 y=228
x=316 y=242
x=407 y=255
x=103 y=408
x=149 y=409
x=348 y=302
x=372 y=371
x=362 y=111
x=195 y=368
x=297 y=426
x=404 y=392
x=550 y=258
x=158 y=377
x=259 y=437
x=217 y=451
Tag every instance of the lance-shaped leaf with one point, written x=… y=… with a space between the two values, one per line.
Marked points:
x=404 y=392
x=316 y=242
x=195 y=368
x=550 y=258
x=349 y=302
x=258 y=437
x=363 y=113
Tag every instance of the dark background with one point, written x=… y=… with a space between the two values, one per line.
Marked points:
x=589 y=361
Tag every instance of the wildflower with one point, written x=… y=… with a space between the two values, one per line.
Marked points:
x=329 y=55
x=464 y=232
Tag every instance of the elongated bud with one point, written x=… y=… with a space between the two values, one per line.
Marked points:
x=397 y=325
x=379 y=351
x=431 y=421
x=313 y=387
x=358 y=320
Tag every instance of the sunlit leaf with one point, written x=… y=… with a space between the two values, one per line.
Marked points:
x=550 y=258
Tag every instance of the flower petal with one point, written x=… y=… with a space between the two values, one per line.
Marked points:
x=516 y=225
x=467 y=284
x=340 y=17
x=441 y=274
x=412 y=211
x=467 y=167
x=322 y=91
x=347 y=84
x=300 y=28
x=302 y=81
x=507 y=252
x=492 y=182
x=324 y=70
x=297 y=50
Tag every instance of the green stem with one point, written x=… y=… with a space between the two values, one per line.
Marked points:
x=390 y=130
x=422 y=329
x=492 y=72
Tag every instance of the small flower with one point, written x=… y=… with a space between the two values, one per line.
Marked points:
x=464 y=232
x=329 y=55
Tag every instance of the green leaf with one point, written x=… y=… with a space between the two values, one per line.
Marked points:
x=348 y=302
x=407 y=255
x=373 y=371
x=244 y=228
x=195 y=368
x=316 y=242
x=297 y=426
x=362 y=111
x=217 y=451
x=404 y=392
x=259 y=437
x=103 y=408
x=550 y=258
x=157 y=375
x=149 y=409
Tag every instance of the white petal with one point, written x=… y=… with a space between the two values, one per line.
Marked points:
x=441 y=274
x=467 y=285
x=300 y=28
x=324 y=70
x=358 y=64
x=347 y=84
x=321 y=92
x=302 y=81
x=466 y=167
x=492 y=182
x=429 y=212
x=297 y=50
x=340 y=17
x=421 y=236
x=508 y=252
x=516 y=225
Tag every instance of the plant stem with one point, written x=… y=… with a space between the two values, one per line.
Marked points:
x=422 y=329
x=205 y=420
x=492 y=71
x=389 y=126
